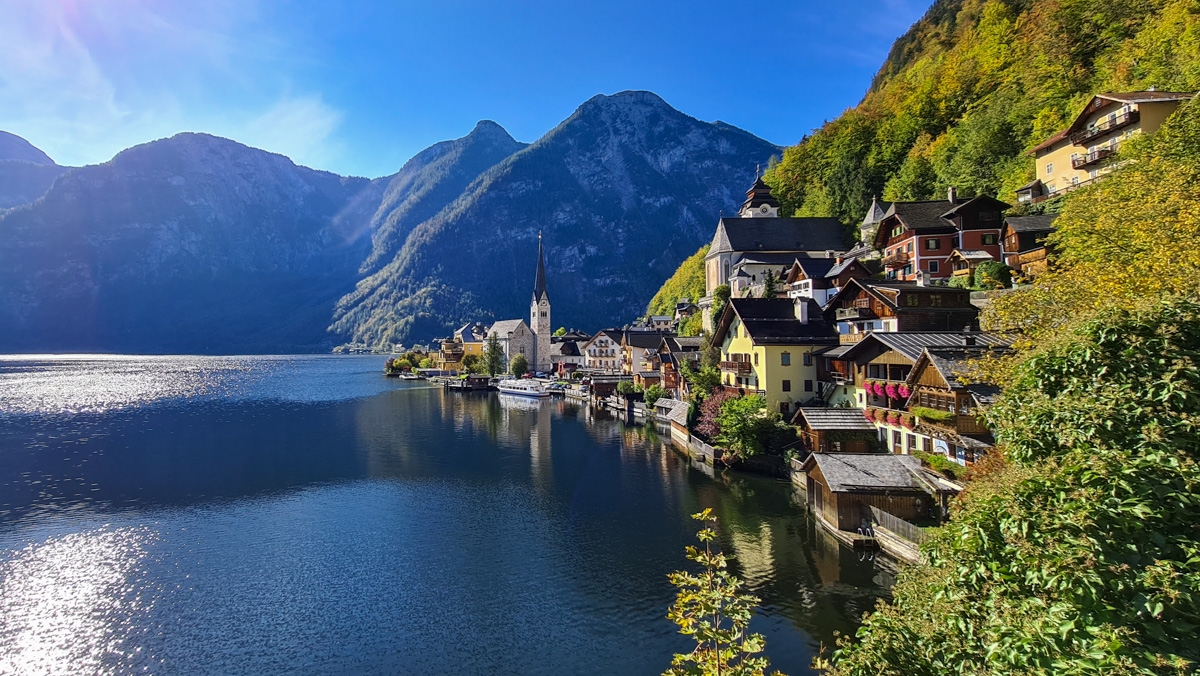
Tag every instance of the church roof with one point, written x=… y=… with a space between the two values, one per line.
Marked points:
x=759 y=194
x=777 y=235
x=504 y=327
x=539 y=280
x=875 y=213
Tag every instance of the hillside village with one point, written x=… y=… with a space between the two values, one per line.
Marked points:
x=862 y=353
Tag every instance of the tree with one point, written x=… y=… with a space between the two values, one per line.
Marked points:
x=426 y=363
x=518 y=366
x=625 y=388
x=471 y=363
x=692 y=326
x=687 y=282
x=653 y=394
x=720 y=299
x=712 y=609
x=707 y=424
x=746 y=425
x=770 y=285
x=1075 y=551
x=704 y=380
x=402 y=365
x=493 y=356
x=993 y=275
x=562 y=331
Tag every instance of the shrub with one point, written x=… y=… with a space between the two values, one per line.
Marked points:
x=993 y=275
x=963 y=281
x=933 y=415
x=653 y=394
x=519 y=365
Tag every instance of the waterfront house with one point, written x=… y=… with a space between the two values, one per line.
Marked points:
x=675 y=412
x=834 y=430
x=673 y=352
x=636 y=347
x=759 y=232
x=1024 y=243
x=863 y=306
x=566 y=357
x=917 y=238
x=768 y=347
x=1083 y=151
x=876 y=373
x=602 y=352
x=947 y=402
x=841 y=487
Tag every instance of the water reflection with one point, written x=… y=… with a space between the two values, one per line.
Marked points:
x=231 y=533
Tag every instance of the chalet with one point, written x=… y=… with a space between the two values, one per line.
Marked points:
x=841 y=487
x=1084 y=150
x=821 y=278
x=673 y=352
x=946 y=404
x=1024 y=243
x=751 y=270
x=768 y=347
x=918 y=237
x=759 y=231
x=636 y=347
x=660 y=323
x=602 y=352
x=863 y=306
x=876 y=372
x=834 y=430
x=964 y=261
x=566 y=357
x=685 y=308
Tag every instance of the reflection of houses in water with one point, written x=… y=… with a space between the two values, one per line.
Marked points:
x=529 y=419
x=754 y=554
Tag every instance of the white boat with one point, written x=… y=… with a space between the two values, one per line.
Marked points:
x=523 y=388
x=409 y=376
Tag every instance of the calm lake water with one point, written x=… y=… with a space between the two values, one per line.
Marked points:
x=221 y=515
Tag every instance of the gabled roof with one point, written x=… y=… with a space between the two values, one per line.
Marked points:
x=832 y=419
x=1037 y=224
x=953 y=364
x=1035 y=183
x=978 y=202
x=925 y=216
x=888 y=291
x=772 y=321
x=505 y=326
x=612 y=334
x=912 y=344
x=869 y=472
x=1147 y=96
x=661 y=318
x=643 y=339
x=567 y=348
x=875 y=213
x=759 y=194
x=777 y=235
x=971 y=254
x=681 y=343
x=776 y=259
x=1058 y=136
x=676 y=411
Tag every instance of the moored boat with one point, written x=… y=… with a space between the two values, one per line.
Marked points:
x=522 y=388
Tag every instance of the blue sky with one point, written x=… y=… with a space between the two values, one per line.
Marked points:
x=359 y=87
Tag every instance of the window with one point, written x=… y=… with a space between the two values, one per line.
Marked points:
x=785 y=359
x=787 y=386
x=808 y=359
x=1074 y=180
x=935 y=300
x=911 y=300
x=933 y=266
x=955 y=243
x=783 y=407
x=933 y=244
x=808 y=386
x=987 y=240
x=756 y=359
x=912 y=442
x=1049 y=168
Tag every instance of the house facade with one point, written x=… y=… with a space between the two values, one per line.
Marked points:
x=602 y=352
x=864 y=306
x=515 y=337
x=1084 y=151
x=1024 y=243
x=947 y=406
x=917 y=238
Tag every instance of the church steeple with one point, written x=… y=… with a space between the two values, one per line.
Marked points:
x=539 y=280
x=759 y=201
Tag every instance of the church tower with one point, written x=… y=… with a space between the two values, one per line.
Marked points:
x=759 y=202
x=539 y=315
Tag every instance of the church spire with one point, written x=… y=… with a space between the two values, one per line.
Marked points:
x=539 y=280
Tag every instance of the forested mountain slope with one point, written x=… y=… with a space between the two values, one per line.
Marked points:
x=973 y=85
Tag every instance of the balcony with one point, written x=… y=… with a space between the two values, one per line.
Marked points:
x=898 y=259
x=737 y=367
x=1081 y=161
x=1105 y=126
x=853 y=313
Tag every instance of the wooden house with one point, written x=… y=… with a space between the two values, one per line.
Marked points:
x=834 y=430
x=917 y=237
x=864 y=306
x=1024 y=243
x=821 y=278
x=947 y=405
x=841 y=486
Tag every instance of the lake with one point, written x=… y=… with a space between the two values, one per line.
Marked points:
x=222 y=515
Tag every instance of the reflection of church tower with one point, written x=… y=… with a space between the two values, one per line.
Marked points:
x=539 y=315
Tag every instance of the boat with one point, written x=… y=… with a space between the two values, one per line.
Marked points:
x=522 y=388
x=409 y=375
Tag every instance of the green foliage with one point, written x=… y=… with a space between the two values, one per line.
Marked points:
x=932 y=414
x=692 y=326
x=770 y=285
x=471 y=363
x=493 y=356
x=702 y=381
x=687 y=282
x=562 y=331
x=519 y=365
x=653 y=394
x=746 y=426
x=963 y=281
x=426 y=363
x=625 y=388
x=1082 y=554
x=940 y=464
x=993 y=275
x=712 y=609
x=720 y=299
x=974 y=84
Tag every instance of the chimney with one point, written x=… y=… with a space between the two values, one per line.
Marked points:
x=801 y=308
x=952 y=195
x=922 y=278
x=968 y=341
x=838 y=260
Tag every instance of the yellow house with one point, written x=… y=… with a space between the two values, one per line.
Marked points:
x=769 y=346
x=1082 y=152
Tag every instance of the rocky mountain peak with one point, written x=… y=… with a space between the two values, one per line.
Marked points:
x=13 y=147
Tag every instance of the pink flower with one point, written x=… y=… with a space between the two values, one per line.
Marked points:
x=879 y=390
x=869 y=414
x=904 y=391
x=892 y=393
x=893 y=418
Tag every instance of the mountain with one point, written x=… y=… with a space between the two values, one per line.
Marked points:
x=429 y=182
x=25 y=171
x=973 y=85
x=621 y=191
x=188 y=244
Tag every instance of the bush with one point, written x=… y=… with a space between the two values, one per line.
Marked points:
x=747 y=427
x=933 y=415
x=653 y=394
x=426 y=363
x=963 y=281
x=993 y=275
x=519 y=365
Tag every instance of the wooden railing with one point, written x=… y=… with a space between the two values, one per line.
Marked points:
x=896 y=260
x=902 y=528
x=1104 y=126
x=739 y=367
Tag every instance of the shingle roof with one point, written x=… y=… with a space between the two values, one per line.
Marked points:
x=1036 y=224
x=875 y=213
x=1058 y=136
x=780 y=259
x=772 y=321
x=777 y=234
x=922 y=215
x=954 y=362
x=833 y=419
x=504 y=327
x=565 y=348
x=851 y=472
x=1147 y=97
x=677 y=410
x=973 y=254
x=816 y=268
x=981 y=201
x=1030 y=185
x=912 y=343
x=643 y=339
x=683 y=343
